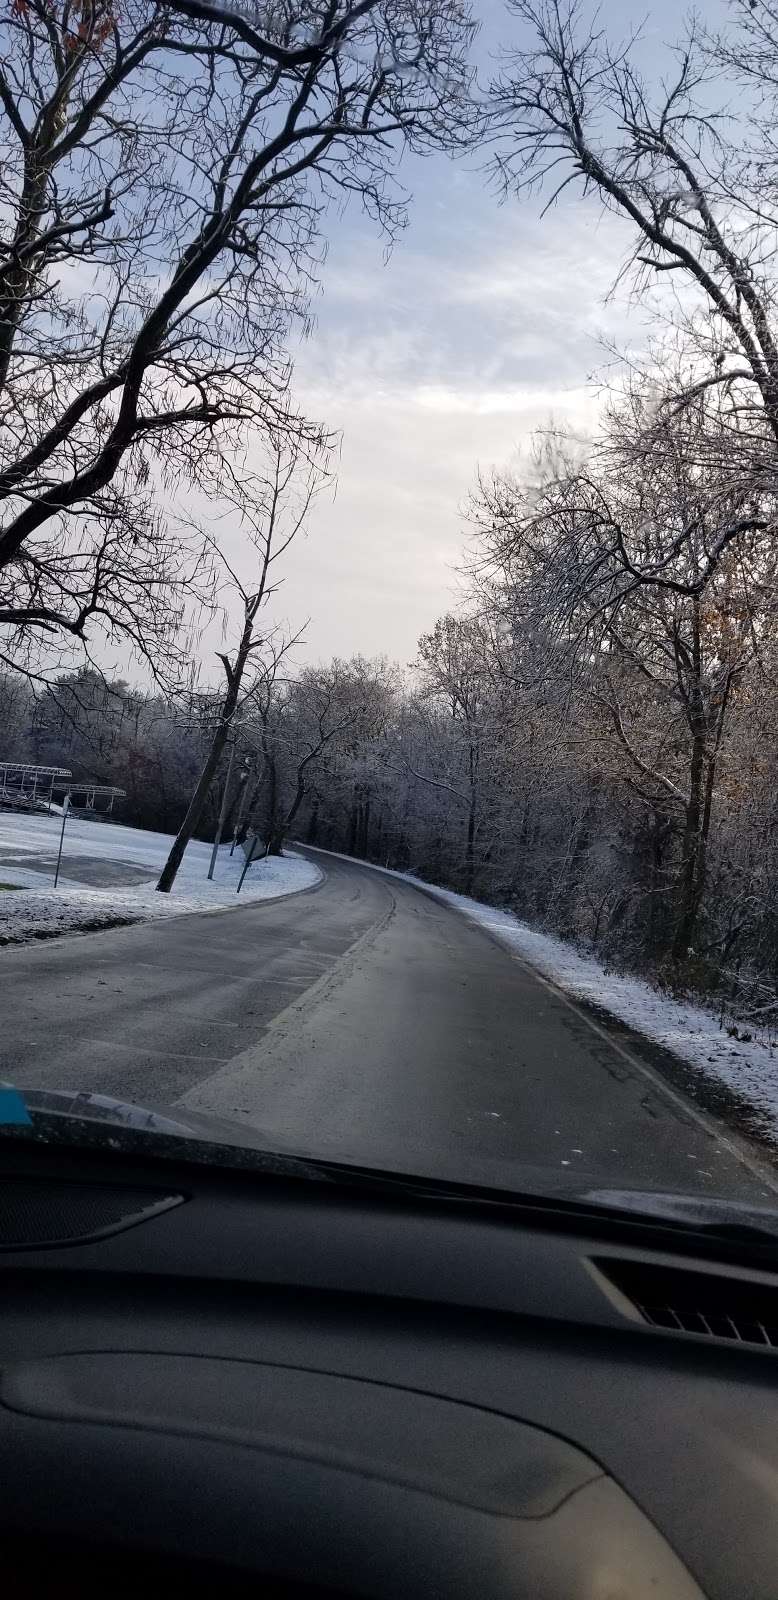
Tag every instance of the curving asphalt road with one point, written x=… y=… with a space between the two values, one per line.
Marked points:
x=365 y=1021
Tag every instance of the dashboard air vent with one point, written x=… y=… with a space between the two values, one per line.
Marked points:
x=728 y=1309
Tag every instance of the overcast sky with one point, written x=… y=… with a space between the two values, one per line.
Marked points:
x=483 y=323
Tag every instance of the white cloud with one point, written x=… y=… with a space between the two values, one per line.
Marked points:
x=446 y=356
x=480 y=327
x=497 y=402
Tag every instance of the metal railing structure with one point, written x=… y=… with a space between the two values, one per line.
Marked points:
x=27 y=787
x=83 y=795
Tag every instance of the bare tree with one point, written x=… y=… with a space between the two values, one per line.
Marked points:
x=454 y=659
x=164 y=170
x=281 y=500
x=621 y=566
x=322 y=714
x=695 y=179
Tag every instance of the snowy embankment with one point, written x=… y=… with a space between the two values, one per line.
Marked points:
x=748 y=1069
x=35 y=909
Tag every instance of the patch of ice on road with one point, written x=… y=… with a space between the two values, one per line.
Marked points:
x=37 y=909
x=749 y=1068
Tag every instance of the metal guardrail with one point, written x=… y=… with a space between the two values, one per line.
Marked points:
x=90 y=791
x=33 y=767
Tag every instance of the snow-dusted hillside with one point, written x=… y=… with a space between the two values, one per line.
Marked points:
x=28 y=847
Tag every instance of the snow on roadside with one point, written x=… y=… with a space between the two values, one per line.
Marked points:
x=36 y=909
x=749 y=1069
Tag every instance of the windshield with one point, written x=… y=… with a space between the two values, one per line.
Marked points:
x=389 y=588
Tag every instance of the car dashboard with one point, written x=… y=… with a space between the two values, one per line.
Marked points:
x=225 y=1377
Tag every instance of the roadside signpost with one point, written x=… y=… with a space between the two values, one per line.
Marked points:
x=222 y=811
x=244 y=791
x=254 y=849
x=65 y=810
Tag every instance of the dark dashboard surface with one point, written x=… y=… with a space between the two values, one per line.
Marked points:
x=379 y=1395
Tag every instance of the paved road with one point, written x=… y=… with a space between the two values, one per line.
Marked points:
x=364 y=1021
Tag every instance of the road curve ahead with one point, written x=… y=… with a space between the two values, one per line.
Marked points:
x=363 y=1021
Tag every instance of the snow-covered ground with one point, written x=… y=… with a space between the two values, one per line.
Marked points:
x=747 y=1068
x=36 y=909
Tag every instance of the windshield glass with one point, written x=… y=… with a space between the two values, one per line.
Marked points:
x=389 y=587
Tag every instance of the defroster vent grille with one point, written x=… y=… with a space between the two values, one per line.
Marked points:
x=40 y=1215
x=731 y=1310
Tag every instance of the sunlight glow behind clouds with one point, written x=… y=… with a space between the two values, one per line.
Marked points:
x=434 y=363
x=483 y=324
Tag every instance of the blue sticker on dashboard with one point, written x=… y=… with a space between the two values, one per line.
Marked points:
x=13 y=1110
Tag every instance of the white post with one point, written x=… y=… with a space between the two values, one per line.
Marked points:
x=249 y=858
x=222 y=811
x=65 y=810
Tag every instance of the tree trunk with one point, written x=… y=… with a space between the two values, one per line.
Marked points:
x=284 y=826
x=471 y=819
x=351 y=843
x=203 y=787
x=274 y=837
x=365 y=845
x=469 y=865
x=248 y=803
x=290 y=815
x=688 y=902
x=656 y=838
x=701 y=852
x=313 y=824
x=194 y=810
x=233 y=809
x=697 y=817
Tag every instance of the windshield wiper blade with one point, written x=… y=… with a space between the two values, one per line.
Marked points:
x=79 y=1116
